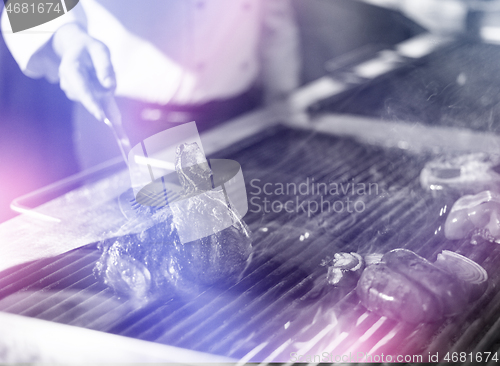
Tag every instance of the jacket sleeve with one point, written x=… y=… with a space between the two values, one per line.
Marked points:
x=279 y=49
x=32 y=48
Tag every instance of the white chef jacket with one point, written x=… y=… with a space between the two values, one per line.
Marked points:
x=177 y=51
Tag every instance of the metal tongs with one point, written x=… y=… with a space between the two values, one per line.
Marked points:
x=127 y=200
x=113 y=118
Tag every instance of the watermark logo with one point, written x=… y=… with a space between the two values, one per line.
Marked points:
x=205 y=196
x=296 y=197
x=330 y=357
x=26 y=14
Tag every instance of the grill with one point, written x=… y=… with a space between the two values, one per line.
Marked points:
x=281 y=304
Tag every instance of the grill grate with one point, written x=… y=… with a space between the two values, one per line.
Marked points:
x=280 y=305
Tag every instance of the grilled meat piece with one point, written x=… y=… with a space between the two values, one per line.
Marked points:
x=407 y=287
x=153 y=261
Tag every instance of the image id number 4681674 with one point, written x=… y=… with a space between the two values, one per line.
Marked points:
x=471 y=357
x=40 y=8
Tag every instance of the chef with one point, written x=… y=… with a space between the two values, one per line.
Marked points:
x=173 y=61
x=167 y=62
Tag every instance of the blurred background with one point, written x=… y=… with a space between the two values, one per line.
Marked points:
x=35 y=133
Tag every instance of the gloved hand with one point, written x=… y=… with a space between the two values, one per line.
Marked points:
x=86 y=73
